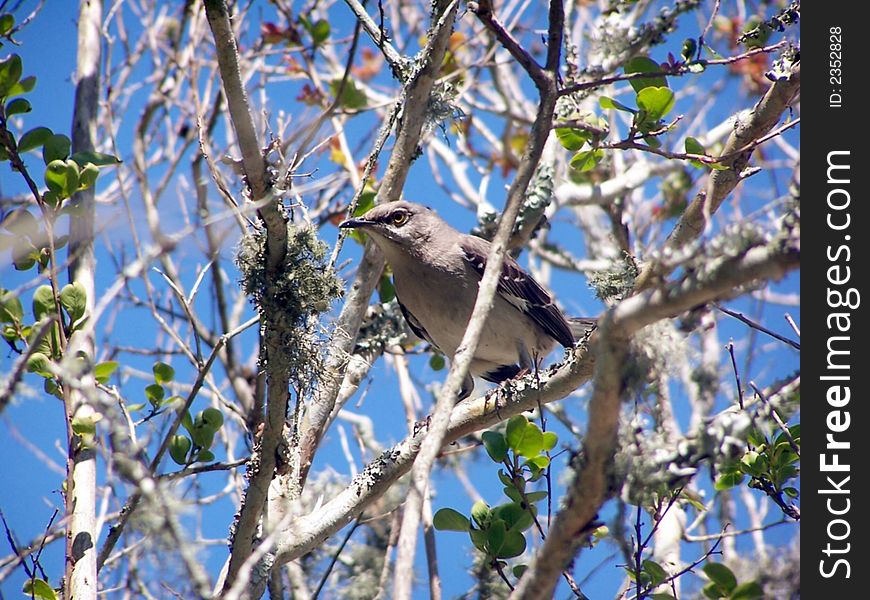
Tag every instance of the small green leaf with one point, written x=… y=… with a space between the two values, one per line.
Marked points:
x=163 y=373
x=721 y=575
x=514 y=515
x=712 y=591
x=352 y=97
x=495 y=536
x=791 y=492
x=519 y=570
x=495 y=444
x=533 y=497
x=539 y=461
x=515 y=427
x=662 y=596
x=693 y=146
x=56 y=147
x=437 y=362
x=319 y=31
x=586 y=160
x=386 y=291
x=656 y=102
x=7 y=22
x=10 y=73
x=24 y=85
x=19 y=106
x=43 y=302
x=62 y=177
x=187 y=422
x=727 y=481
x=11 y=310
x=513 y=545
x=656 y=572
x=88 y=176
x=98 y=159
x=644 y=64
x=750 y=590
x=178 y=449
x=34 y=138
x=202 y=435
x=155 y=394
x=609 y=103
x=550 y=440
x=103 y=371
x=74 y=298
x=447 y=519
x=205 y=456
x=86 y=426
x=688 y=49
x=39 y=363
x=572 y=138
x=478 y=538
x=212 y=418
x=481 y=514
x=38 y=588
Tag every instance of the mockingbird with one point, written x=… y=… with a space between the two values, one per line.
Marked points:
x=437 y=271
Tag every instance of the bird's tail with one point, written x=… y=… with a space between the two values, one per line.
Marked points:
x=581 y=326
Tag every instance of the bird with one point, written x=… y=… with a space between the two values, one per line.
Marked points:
x=436 y=275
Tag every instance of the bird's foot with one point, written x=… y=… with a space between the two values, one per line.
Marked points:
x=420 y=425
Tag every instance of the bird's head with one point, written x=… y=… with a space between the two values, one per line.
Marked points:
x=402 y=224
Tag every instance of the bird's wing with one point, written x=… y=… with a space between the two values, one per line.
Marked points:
x=521 y=290
x=416 y=326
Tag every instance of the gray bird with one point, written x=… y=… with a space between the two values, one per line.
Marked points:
x=437 y=272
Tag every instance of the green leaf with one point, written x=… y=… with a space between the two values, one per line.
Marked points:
x=662 y=596
x=319 y=31
x=711 y=590
x=478 y=538
x=7 y=22
x=644 y=64
x=205 y=456
x=39 y=363
x=693 y=146
x=202 y=435
x=43 y=302
x=495 y=536
x=38 y=588
x=727 y=481
x=437 y=362
x=533 y=497
x=586 y=160
x=750 y=590
x=609 y=103
x=656 y=102
x=539 y=462
x=752 y=463
x=351 y=97
x=21 y=222
x=74 y=298
x=519 y=570
x=155 y=394
x=572 y=138
x=550 y=440
x=212 y=418
x=688 y=49
x=10 y=73
x=103 y=371
x=513 y=545
x=721 y=575
x=23 y=86
x=86 y=426
x=656 y=572
x=179 y=446
x=481 y=514
x=516 y=426
x=187 y=422
x=62 y=177
x=11 y=310
x=34 y=138
x=791 y=492
x=495 y=444
x=514 y=515
x=19 y=106
x=447 y=519
x=95 y=158
x=56 y=147
x=163 y=373
x=386 y=290
x=88 y=176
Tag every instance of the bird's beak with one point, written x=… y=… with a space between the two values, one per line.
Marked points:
x=355 y=223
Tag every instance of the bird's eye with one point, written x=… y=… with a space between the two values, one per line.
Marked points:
x=399 y=218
